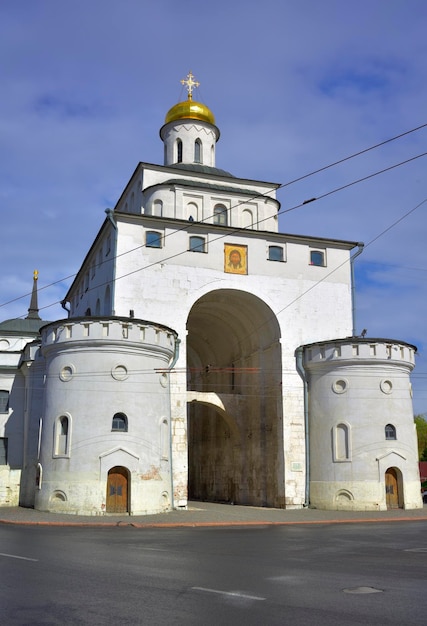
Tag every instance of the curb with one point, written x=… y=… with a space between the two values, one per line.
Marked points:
x=150 y=525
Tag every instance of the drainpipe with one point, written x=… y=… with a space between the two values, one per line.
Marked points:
x=176 y=355
x=301 y=371
x=63 y=304
x=170 y=368
x=110 y=213
x=353 y=294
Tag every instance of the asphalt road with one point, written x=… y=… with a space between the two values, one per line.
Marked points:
x=336 y=574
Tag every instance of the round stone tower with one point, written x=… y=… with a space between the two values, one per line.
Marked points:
x=105 y=430
x=362 y=439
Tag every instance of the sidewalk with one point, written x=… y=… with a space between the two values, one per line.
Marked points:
x=201 y=514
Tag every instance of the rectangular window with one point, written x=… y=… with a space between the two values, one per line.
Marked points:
x=220 y=216
x=318 y=257
x=3 y=450
x=275 y=253
x=197 y=244
x=153 y=239
x=4 y=401
x=390 y=432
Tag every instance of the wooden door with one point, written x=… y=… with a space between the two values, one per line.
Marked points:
x=117 y=490
x=391 y=489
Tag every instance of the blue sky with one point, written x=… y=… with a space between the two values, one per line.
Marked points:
x=294 y=85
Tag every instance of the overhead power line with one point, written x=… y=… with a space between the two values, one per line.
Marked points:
x=335 y=269
x=239 y=230
x=281 y=212
x=355 y=154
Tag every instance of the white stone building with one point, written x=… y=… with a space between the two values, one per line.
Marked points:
x=215 y=397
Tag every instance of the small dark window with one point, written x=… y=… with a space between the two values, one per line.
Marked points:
x=62 y=436
x=197 y=151
x=120 y=423
x=4 y=401
x=275 y=253
x=3 y=450
x=197 y=244
x=39 y=474
x=220 y=215
x=64 y=426
x=179 y=151
x=153 y=239
x=317 y=258
x=390 y=431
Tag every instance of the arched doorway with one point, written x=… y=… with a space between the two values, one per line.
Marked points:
x=392 y=488
x=118 y=490
x=234 y=362
x=214 y=453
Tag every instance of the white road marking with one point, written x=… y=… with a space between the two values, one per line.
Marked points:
x=363 y=590
x=14 y=556
x=154 y=549
x=416 y=550
x=235 y=594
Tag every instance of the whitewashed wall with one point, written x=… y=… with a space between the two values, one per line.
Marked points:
x=95 y=369
x=362 y=384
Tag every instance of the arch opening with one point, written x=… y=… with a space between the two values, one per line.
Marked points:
x=394 y=488
x=118 y=490
x=235 y=432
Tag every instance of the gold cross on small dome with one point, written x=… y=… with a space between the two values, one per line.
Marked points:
x=191 y=84
x=36 y=274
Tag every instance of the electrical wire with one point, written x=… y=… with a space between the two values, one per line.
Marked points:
x=326 y=276
x=239 y=230
x=326 y=167
x=235 y=231
x=246 y=370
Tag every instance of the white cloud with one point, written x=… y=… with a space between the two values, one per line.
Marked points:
x=294 y=86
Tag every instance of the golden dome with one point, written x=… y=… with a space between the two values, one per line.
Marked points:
x=190 y=110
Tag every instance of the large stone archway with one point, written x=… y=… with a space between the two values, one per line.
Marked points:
x=235 y=425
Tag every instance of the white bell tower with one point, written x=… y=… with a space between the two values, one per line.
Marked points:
x=189 y=133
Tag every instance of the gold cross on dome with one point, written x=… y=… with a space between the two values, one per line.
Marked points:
x=191 y=84
x=35 y=274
